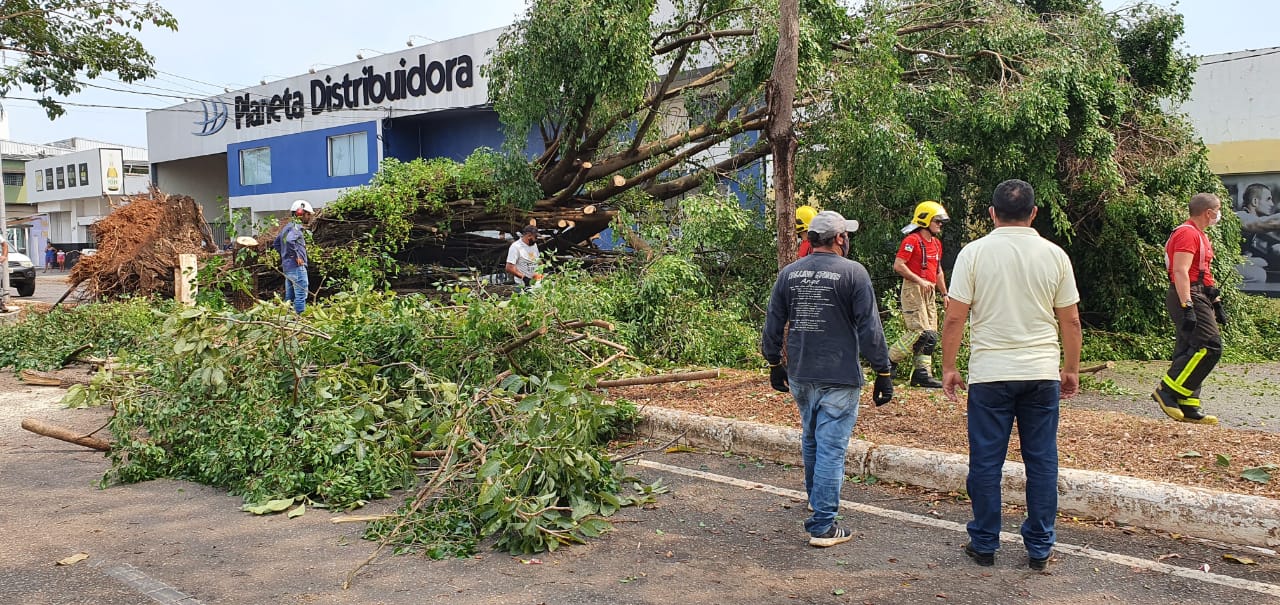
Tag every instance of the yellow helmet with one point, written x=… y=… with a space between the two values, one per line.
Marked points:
x=804 y=214
x=925 y=212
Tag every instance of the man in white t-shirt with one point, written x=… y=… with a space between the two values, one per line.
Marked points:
x=1018 y=291
x=522 y=257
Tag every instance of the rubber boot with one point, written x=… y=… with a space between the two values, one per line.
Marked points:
x=1191 y=413
x=921 y=378
x=1168 y=402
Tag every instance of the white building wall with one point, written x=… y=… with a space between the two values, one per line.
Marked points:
x=203 y=178
x=1233 y=107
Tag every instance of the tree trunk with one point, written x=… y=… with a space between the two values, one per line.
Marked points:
x=782 y=134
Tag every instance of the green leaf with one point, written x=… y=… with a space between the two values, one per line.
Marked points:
x=1257 y=474
x=271 y=506
x=298 y=511
x=1223 y=460
x=838 y=592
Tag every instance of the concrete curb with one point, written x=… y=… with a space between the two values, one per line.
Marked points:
x=1233 y=518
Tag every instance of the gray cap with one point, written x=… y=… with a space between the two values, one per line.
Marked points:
x=830 y=223
x=529 y=229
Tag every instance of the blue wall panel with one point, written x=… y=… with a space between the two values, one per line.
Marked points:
x=300 y=162
x=452 y=134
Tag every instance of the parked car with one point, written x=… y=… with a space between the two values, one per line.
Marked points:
x=22 y=273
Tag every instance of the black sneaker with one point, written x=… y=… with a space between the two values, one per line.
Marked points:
x=1039 y=564
x=921 y=378
x=985 y=559
x=1168 y=402
x=833 y=536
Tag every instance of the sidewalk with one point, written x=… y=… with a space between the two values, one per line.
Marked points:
x=1233 y=518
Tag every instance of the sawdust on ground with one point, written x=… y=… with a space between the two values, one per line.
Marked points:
x=1104 y=441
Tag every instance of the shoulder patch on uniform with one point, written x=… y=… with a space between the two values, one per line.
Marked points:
x=909 y=248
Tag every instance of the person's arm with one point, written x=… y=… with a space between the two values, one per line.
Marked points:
x=1252 y=223
x=866 y=312
x=1181 y=269
x=1072 y=340
x=775 y=322
x=512 y=257
x=942 y=289
x=900 y=267
x=952 y=334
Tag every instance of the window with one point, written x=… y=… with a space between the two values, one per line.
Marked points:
x=39 y=180
x=349 y=154
x=14 y=179
x=71 y=175
x=62 y=178
x=48 y=179
x=142 y=169
x=255 y=166
x=84 y=174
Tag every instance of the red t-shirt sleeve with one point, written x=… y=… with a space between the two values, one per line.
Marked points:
x=805 y=249
x=909 y=250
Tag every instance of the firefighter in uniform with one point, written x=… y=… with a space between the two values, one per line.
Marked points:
x=804 y=215
x=1195 y=304
x=919 y=261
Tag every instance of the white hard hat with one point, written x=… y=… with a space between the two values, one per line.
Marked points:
x=303 y=205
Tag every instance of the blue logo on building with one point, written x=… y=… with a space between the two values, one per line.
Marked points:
x=216 y=113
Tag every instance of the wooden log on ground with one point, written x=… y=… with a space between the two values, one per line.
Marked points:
x=40 y=427
x=662 y=378
x=46 y=379
x=1098 y=368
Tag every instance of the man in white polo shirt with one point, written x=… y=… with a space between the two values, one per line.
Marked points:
x=1017 y=291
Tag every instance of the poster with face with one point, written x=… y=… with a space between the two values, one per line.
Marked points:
x=1253 y=200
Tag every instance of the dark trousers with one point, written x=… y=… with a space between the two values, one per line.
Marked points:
x=993 y=408
x=1195 y=353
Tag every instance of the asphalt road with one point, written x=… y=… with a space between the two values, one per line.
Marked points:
x=728 y=531
x=49 y=287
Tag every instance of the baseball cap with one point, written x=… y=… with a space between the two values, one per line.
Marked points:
x=829 y=223
x=529 y=229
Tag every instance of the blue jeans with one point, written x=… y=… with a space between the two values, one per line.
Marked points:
x=993 y=406
x=295 y=288
x=827 y=415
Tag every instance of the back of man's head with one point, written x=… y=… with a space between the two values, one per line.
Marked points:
x=1013 y=201
x=1202 y=203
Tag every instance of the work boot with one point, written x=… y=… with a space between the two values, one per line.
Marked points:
x=921 y=378
x=1191 y=413
x=1168 y=402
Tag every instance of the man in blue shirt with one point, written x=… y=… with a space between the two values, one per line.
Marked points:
x=825 y=306
x=292 y=245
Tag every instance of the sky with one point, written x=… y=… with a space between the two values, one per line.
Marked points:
x=236 y=43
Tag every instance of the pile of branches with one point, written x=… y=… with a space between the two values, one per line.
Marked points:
x=492 y=403
x=138 y=246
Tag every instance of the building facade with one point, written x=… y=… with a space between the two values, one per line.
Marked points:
x=1232 y=106
x=312 y=136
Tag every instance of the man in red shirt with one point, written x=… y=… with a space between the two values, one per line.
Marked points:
x=804 y=215
x=918 y=262
x=1195 y=304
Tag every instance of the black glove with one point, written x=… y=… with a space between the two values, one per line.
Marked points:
x=1220 y=313
x=778 y=378
x=882 y=393
x=1189 y=318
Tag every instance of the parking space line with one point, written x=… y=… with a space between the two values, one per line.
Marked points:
x=146 y=585
x=1071 y=549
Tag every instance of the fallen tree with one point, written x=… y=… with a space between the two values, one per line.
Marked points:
x=138 y=246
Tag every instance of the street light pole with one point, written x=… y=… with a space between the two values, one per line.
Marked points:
x=4 y=229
